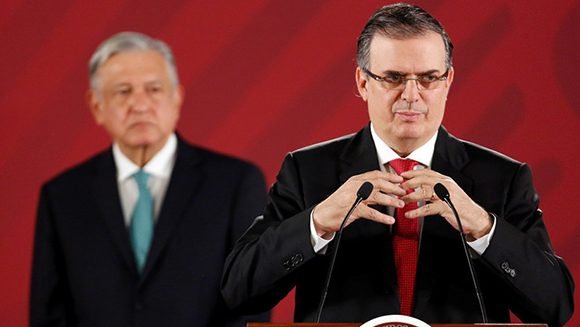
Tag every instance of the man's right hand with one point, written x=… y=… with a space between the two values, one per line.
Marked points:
x=328 y=214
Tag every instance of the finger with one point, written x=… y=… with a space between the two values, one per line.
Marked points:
x=369 y=213
x=428 y=209
x=388 y=187
x=420 y=172
x=417 y=181
x=413 y=197
x=377 y=174
x=428 y=192
x=381 y=198
x=424 y=193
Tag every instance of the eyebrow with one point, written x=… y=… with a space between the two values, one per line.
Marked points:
x=121 y=84
x=427 y=72
x=124 y=84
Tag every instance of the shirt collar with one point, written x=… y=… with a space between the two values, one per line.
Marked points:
x=160 y=165
x=423 y=154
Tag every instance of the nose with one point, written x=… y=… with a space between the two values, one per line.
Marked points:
x=411 y=91
x=140 y=101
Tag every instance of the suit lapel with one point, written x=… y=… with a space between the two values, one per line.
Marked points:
x=106 y=194
x=449 y=158
x=184 y=184
x=359 y=156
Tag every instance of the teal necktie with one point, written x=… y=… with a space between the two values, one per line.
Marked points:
x=141 y=228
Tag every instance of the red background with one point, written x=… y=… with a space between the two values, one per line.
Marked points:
x=264 y=77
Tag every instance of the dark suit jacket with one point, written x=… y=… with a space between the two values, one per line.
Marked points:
x=84 y=273
x=518 y=271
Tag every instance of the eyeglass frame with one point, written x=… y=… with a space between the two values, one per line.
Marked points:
x=420 y=87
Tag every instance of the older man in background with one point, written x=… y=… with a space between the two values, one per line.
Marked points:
x=137 y=235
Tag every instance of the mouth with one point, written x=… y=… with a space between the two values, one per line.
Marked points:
x=408 y=116
x=140 y=124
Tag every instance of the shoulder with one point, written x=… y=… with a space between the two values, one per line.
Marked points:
x=332 y=156
x=490 y=166
x=475 y=154
x=332 y=147
x=481 y=153
x=214 y=160
x=343 y=148
x=317 y=158
x=79 y=173
x=347 y=149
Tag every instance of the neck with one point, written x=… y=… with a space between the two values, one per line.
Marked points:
x=139 y=155
x=404 y=148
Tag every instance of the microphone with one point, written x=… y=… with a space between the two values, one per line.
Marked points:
x=443 y=194
x=362 y=194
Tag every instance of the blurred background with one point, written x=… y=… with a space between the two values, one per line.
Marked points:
x=264 y=77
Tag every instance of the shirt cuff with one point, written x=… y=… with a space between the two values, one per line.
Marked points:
x=319 y=244
x=481 y=244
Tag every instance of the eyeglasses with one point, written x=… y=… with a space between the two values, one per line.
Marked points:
x=394 y=81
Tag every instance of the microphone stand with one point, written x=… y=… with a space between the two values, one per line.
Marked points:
x=362 y=194
x=443 y=194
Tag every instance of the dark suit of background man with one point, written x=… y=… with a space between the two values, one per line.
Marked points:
x=85 y=271
x=404 y=74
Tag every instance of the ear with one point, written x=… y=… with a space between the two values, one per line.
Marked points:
x=94 y=104
x=449 y=81
x=450 y=76
x=178 y=96
x=361 y=83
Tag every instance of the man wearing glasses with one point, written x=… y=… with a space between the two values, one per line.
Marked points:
x=400 y=251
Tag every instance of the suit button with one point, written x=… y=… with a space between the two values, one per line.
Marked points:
x=293 y=261
x=297 y=259
x=505 y=265
x=508 y=270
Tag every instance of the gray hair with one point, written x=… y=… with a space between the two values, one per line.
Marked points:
x=130 y=41
x=400 y=21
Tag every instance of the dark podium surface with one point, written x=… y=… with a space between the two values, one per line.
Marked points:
x=358 y=325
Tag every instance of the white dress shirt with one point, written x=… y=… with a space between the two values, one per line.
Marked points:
x=159 y=169
x=423 y=155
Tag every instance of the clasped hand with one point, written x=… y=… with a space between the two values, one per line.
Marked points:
x=391 y=190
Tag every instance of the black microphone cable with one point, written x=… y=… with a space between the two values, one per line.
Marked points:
x=362 y=194
x=443 y=194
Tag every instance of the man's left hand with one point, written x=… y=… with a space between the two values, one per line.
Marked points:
x=475 y=220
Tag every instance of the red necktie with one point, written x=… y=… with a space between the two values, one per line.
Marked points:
x=405 y=244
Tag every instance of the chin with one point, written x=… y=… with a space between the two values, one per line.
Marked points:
x=143 y=140
x=409 y=132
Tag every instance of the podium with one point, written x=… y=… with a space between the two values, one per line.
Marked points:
x=358 y=325
x=393 y=320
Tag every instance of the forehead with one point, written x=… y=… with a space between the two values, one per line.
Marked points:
x=133 y=66
x=413 y=55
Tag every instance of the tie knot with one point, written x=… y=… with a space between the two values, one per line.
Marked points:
x=402 y=165
x=141 y=178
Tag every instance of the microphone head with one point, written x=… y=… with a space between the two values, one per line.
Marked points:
x=365 y=190
x=441 y=191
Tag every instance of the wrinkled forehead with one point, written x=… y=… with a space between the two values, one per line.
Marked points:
x=410 y=55
x=138 y=65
